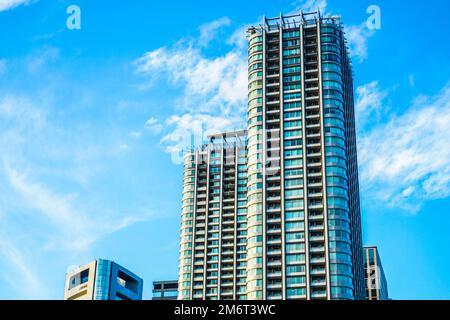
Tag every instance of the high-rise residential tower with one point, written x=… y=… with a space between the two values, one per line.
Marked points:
x=102 y=280
x=304 y=229
x=376 y=283
x=295 y=231
x=214 y=220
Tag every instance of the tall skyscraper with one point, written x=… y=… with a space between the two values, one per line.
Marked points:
x=102 y=280
x=304 y=229
x=213 y=231
x=376 y=283
x=302 y=214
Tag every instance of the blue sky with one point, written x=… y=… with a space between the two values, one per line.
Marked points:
x=92 y=122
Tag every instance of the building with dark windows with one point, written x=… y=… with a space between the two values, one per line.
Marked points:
x=102 y=280
x=376 y=283
x=213 y=227
x=165 y=290
x=284 y=223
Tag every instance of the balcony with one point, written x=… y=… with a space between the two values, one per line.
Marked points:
x=276 y=274
x=274 y=241
x=319 y=294
x=274 y=252
x=316 y=217
x=274 y=263
x=318 y=271
x=319 y=227
x=315 y=195
x=318 y=260
x=317 y=238
x=276 y=285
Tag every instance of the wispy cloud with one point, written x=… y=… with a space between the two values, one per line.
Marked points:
x=214 y=88
x=209 y=83
x=208 y=31
x=11 y=4
x=191 y=129
x=49 y=205
x=311 y=5
x=74 y=229
x=21 y=274
x=154 y=125
x=135 y=134
x=357 y=37
x=406 y=160
x=38 y=59
x=370 y=103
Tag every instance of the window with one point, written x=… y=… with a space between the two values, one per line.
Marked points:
x=295 y=236
x=295 y=258
x=294 y=193
x=292 y=114
x=291 y=52
x=295 y=247
x=297 y=292
x=295 y=280
x=294 y=215
x=294 y=204
x=295 y=226
x=295 y=269
x=291 y=34
x=293 y=183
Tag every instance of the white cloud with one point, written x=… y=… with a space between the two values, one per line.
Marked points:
x=11 y=4
x=135 y=134
x=406 y=161
x=213 y=89
x=311 y=5
x=192 y=129
x=21 y=274
x=41 y=57
x=49 y=204
x=73 y=228
x=154 y=125
x=369 y=103
x=208 y=31
x=238 y=38
x=357 y=37
x=209 y=83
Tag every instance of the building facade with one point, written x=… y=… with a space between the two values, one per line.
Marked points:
x=102 y=280
x=376 y=283
x=295 y=231
x=304 y=229
x=214 y=222
x=165 y=290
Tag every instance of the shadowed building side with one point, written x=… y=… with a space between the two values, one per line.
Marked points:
x=376 y=283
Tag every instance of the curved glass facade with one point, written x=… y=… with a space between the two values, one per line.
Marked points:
x=339 y=232
x=255 y=167
x=187 y=218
